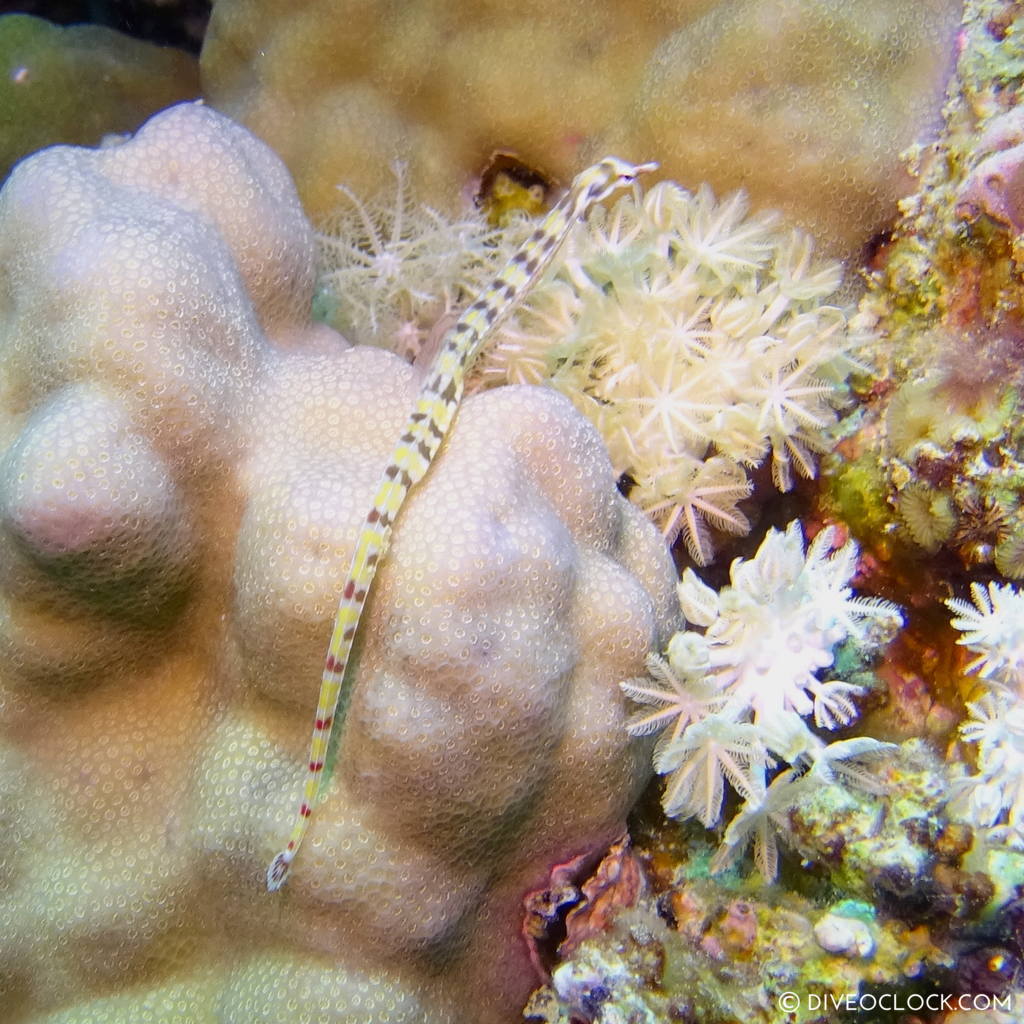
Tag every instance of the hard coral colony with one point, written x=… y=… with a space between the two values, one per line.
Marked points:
x=699 y=342
x=187 y=459
x=187 y=462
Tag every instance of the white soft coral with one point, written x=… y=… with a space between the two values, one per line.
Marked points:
x=737 y=694
x=993 y=628
x=697 y=339
x=992 y=798
x=772 y=632
x=393 y=270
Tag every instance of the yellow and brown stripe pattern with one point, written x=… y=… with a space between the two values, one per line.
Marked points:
x=424 y=431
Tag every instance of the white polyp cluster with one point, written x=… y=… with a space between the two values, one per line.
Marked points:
x=698 y=338
x=992 y=796
x=731 y=701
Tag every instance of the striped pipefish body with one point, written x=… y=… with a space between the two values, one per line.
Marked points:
x=424 y=431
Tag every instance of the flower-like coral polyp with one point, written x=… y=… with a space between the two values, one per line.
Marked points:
x=732 y=700
x=992 y=798
x=993 y=628
x=698 y=339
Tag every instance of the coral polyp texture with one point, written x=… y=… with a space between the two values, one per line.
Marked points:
x=730 y=701
x=186 y=463
x=700 y=341
x=394 y=272
x=806 y=103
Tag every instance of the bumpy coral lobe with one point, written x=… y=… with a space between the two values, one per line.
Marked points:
x=186 y=462
x=803 y=103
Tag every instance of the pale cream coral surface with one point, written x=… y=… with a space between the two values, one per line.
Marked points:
x=804 y=103
x=186 y=462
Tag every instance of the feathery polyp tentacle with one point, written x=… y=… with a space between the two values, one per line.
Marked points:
x=424 y=431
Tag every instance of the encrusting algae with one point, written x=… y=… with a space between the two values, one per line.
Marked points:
x=938 y=453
